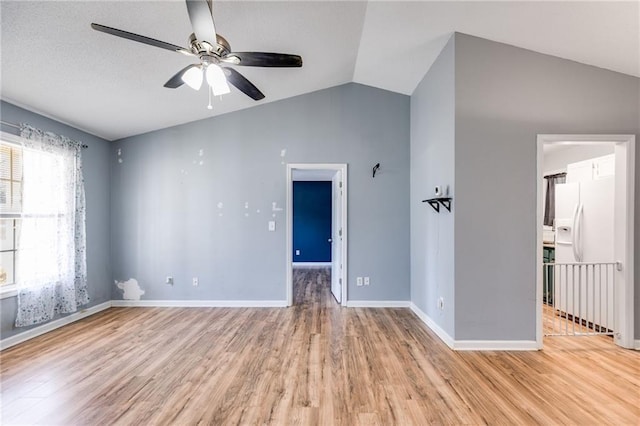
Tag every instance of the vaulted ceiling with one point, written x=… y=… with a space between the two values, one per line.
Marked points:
x=53 y=63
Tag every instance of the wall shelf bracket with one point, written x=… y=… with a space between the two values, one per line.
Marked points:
x=436 y=202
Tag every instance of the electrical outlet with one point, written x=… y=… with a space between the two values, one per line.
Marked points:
x=169 y=280
x=366 y=281
x=297 y=252
x=272 y=225
x=195 y=281
x=359 y=281
x=441 y=303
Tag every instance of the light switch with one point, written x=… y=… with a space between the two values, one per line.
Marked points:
x=272 y=225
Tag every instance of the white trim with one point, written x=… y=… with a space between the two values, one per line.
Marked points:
x=11 y=138
x=378 y=304
x=289 y=236
x=496 y=345
x=625 y=146
x=61 y=322
x=52 y=325
x=311 y=264
x=473 y=345
x=199 y=303
x=627 y=329
x=289 y=224
x=539 y=237
x=8 y=290
x=426 y=319
x=637 y=345
x=461 y=345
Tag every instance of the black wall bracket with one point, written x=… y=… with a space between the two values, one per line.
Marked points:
x=436 y=202
x=375 y=169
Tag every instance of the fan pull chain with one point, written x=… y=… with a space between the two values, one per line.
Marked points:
x=209 y=106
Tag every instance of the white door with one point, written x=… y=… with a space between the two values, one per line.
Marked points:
x=336 y=238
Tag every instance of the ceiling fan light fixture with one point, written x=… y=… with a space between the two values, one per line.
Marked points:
x=211 y=49
x=193 y=78
x=217 y=80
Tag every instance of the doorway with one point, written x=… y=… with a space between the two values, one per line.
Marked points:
x=336 y=175
x=312 y=224
x=574 y=290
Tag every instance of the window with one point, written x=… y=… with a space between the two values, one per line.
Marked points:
x=42 y=210
x=10 y=209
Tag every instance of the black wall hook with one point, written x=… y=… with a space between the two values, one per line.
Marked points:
x=375 y=169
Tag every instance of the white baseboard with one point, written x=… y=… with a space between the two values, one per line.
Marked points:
x=461 y=345
x=474 y=345
x=377 y=304
x=496 y=345
x=52 y=325
x=311 y=264
x=199 y=303
x=637 y=345
x=443 y=335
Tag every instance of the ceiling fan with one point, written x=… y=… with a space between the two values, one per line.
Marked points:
x=214 y=52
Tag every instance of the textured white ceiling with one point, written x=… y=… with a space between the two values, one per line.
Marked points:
x=55 y=64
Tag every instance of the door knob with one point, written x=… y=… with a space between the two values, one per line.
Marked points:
x=330 y=240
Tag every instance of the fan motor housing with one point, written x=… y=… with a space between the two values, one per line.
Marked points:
x=204 y=48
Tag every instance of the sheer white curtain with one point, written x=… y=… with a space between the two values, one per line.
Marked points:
x=51 y=266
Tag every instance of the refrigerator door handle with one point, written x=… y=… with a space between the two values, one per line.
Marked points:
x=577 y=233
x=574 y=233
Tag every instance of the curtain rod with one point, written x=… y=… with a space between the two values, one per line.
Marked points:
x=15 y=126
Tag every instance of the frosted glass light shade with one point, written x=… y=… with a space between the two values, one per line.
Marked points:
x=217 y=80
x=193 y=77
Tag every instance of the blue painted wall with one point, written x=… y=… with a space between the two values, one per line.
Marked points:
x=311 y=221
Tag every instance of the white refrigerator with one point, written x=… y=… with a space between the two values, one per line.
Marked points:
x=584 y=238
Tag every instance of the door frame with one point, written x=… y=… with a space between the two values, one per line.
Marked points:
x=623 y=232
x=342 y=167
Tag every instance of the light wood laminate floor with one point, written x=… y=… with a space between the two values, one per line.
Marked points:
x=314 y=363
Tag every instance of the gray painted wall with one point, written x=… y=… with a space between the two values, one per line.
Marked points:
x=166 y=220
x=505 y=96
x=164 y=205
x=96 y=177
x=432 y=163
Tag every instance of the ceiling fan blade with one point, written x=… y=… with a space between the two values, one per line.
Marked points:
x=244 y=85
x=263 y=59
x=201 y=17
x=176 y=81
x=140 y=38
